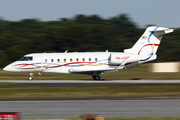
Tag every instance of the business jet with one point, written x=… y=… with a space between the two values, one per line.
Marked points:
x=92 y=63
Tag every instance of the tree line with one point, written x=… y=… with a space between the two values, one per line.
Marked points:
x=78 y=34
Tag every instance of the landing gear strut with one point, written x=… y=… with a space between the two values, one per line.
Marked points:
x=96 y=77
x=31 y=76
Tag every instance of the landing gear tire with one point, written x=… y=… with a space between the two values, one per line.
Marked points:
x=30 y=78
x=96 y=77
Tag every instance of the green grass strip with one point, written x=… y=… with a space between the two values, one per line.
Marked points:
x=88 y=91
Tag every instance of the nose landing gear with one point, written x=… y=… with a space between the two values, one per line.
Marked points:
x=31 y=76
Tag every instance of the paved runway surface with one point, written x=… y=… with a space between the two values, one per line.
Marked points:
x=51 y=83
x=63 y=83
x=92 y=81
x=106 y=108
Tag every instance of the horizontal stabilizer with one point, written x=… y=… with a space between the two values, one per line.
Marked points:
x=166 y=30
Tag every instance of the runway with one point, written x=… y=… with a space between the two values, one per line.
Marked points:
x=54 y=83
x=94 y=81
x=105 y=108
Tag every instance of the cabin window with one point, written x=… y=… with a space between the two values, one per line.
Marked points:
x=89 y=59
x=77 y=60
x=96 y=59
x=26 y=58
x=64 y=60
x=71 y=60
x=83 y=59
x=52 y=60
x=58 y=60
x=45 y=60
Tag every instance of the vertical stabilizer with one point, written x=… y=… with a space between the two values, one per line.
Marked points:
x=148 y=43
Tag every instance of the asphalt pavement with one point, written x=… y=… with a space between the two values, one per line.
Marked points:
x=105 y=108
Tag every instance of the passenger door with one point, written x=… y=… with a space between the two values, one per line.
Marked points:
x=38 y=63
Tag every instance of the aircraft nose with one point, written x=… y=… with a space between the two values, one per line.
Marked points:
x=9 y=68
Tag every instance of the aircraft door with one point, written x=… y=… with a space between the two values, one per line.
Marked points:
x=38 y=63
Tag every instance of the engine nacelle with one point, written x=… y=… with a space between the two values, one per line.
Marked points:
x=118 y=58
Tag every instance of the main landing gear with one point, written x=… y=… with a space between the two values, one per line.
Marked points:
x=96 y=77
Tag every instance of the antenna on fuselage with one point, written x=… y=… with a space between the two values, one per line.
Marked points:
x=106 y=50
x=66 y=51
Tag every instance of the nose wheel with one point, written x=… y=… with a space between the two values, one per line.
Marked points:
x=31 y=76
x=96 y=77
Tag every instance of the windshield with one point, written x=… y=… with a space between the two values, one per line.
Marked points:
x=26 y=58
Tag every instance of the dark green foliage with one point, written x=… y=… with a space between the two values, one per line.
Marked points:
x=82 y=33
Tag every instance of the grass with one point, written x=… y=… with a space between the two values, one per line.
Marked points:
x=139 y=72
x=87 y=91
x=8 y=84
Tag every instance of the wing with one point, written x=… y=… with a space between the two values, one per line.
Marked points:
x=91 y=71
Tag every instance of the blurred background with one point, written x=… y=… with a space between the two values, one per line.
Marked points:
x=76 y=26
x=37 y=26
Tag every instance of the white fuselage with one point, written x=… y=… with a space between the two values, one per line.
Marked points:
x=71 y=62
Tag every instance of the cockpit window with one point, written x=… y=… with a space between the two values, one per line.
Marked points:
x=26 y=58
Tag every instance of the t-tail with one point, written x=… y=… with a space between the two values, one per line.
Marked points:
x=148 y=43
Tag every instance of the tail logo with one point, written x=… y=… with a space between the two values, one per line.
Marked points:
x=152 y=45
